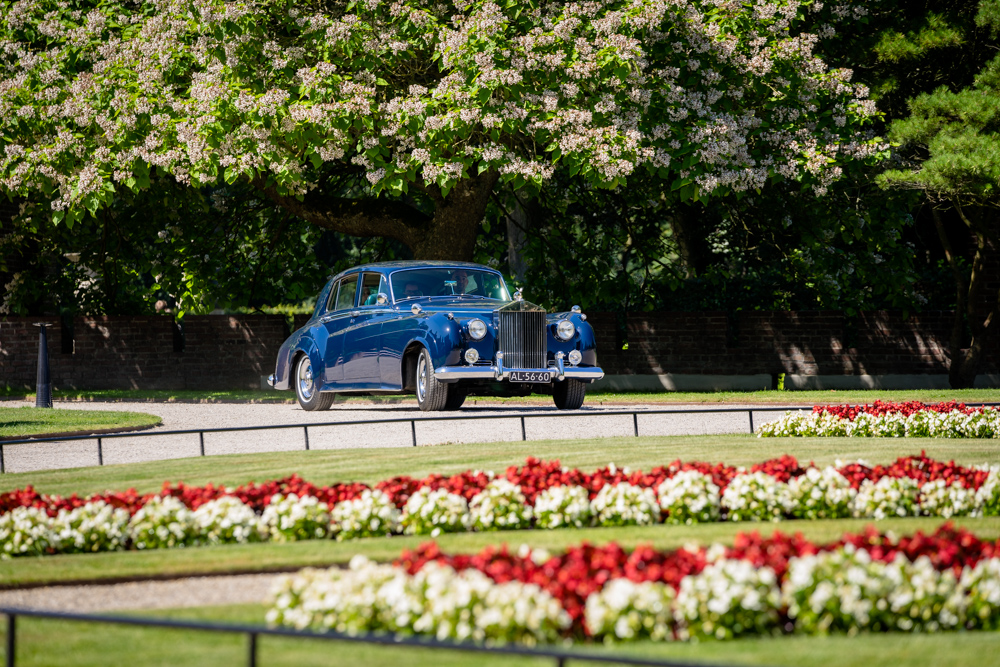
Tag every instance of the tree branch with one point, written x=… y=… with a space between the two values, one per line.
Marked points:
x=356 y=217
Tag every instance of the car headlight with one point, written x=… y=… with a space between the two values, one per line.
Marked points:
x=565 y=329
x=477 y=329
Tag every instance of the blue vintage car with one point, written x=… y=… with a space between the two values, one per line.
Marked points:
x=441 y=330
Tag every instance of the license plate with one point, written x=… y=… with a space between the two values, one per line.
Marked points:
x=530 y=376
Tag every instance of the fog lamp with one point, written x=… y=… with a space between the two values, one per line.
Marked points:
x=575 y=357
x=471 y=356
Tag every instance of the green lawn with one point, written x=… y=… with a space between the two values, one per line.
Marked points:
x=372 y=465
x=25 y=422
x=43 y=642
x=754 y=397
x=270 y=556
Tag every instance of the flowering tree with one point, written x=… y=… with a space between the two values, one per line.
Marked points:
x=398 y=119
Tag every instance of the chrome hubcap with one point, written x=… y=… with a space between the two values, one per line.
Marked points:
x=421 y=378
x=306 y=385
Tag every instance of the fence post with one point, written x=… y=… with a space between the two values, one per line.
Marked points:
x=635 y=423
x=252 y=657
x=751 y=421
x=305 y=430
x=3 y=468
x=201 y=442
x=523 y=435
x=100 y=453
x=11 y=640
x=413 y=431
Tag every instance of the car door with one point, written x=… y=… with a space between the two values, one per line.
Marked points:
x=361 y=339
x=336 y=322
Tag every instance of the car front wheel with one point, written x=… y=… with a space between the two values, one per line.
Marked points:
x=307 y=388
x=569 y=394
x=432 y=394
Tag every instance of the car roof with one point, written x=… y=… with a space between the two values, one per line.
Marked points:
x=386 y=267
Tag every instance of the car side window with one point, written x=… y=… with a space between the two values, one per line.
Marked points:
x=331 y=303
x=345 y=298
x=371 y=285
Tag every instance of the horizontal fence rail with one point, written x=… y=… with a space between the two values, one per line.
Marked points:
x=560 y=656
x=412 y=421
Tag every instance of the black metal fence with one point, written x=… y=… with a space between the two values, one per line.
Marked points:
x=413 y=421
x=559 y=656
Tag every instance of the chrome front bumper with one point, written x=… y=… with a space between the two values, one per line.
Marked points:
x=499 y=372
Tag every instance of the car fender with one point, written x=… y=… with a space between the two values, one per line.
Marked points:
x=441 y=336
x=297 y=343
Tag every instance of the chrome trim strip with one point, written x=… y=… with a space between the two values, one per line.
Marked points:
x=501 y=373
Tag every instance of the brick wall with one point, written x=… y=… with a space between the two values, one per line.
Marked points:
x=212 y=352
x=806 y=343
x=220 y=352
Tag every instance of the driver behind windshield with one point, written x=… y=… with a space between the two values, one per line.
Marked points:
x=461 y=278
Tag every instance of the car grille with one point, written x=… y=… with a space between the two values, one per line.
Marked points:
x=522 y=337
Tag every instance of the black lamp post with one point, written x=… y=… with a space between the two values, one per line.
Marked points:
x=43 y=384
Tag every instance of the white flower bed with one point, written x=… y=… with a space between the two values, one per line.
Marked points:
x=291 y=518
x=500 y=506
x=625 y=504
x=729 y=598
x=162 y=523
x=921 y=424
x=95 y=526
x=434 y=512
x=846 y=591
x=25 y=531
x=437 y=601
x=689 y=497
x=757 y=496
x=227 y=520
x=982 y=586
x=563 y=507
x=370 y=515
x=987 y=499
x=624 y=610
x=840 y=591
x=938 y=498
x=888 y=497
x=821 y=494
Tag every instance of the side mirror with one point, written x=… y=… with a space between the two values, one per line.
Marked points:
x=382 y=298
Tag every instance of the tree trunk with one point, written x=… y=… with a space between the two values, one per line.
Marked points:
x=518 y=223
x=965 y=363
x=451 y=233
x=448 y=234
x=689 y=232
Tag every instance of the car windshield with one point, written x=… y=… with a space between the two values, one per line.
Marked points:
x=415 y=283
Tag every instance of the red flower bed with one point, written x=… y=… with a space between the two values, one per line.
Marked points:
x=905 y=408
x=582 y=570
x=534 y=477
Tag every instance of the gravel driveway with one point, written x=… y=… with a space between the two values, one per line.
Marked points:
x=540 y=423
x=169 y=594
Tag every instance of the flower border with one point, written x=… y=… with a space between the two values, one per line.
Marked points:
x=759 y=586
